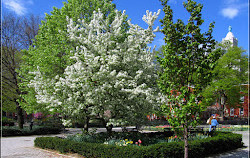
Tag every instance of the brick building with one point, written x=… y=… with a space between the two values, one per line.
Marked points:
x=241 y=110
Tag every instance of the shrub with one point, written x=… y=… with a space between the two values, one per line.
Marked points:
x=37 y=130
x=8 y=121
x=146 y=138
x=47 y=130
x=85 y=138
x=51 y=121
x=10 y=132
x=119 y=142
x=220 y=142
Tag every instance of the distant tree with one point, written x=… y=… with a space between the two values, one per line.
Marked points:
x=10 y=91
x=9 y=43
x=30 y=27
x=17 y=34
x=186 y=62
x=230 y=72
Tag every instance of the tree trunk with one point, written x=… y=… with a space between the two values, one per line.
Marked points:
x=86 y=124
x=108 y=128
x=185 y=135
x=221 y=111
x=20 y=117
x=222 y=106
x=138 y=127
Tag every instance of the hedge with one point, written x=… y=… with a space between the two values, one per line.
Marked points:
x=37 y=130
x=220 y=142
x=7 y=121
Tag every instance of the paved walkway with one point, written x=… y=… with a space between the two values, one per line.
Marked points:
x=23 y=147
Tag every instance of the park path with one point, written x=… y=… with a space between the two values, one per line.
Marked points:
x=23 y=147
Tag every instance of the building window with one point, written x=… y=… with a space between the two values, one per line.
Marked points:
x=242 y=99
x=241 y=111
x=232 y=112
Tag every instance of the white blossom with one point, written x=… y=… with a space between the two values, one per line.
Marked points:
x=107 y=73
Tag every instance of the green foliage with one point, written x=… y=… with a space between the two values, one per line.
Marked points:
x=7 y=121
x=234 y=128
x=36 y=130
x=146 y=138
x=186 y=62
x=87 y=137
x=230 y=72
x=193 y=136
x=49 y=121
x=119 y=142
x=123 y=139
x=221 y=142
x=17 y=33
x=10 y=90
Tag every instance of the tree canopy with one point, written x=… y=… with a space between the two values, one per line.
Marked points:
x=186 y=64
x=52 y=47
x=111 y=75
x=229 y=74
x=16 y=34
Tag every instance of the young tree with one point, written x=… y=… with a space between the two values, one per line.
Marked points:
x=186 y=62
x=52 y=47
x=230 y=72
x=110 y=79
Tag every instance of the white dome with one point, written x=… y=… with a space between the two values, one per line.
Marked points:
x=229 y=36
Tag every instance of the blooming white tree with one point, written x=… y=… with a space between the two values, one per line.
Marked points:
x=110 y=79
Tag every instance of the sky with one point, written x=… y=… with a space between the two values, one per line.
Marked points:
x=224 y=13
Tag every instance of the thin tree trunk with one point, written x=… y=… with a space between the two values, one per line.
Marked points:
x=20 y=116
x=185 y=134
x=221 y=111
x=222 y=105
x=86 y=124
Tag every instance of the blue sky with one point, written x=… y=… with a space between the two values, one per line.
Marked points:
x=225 y=13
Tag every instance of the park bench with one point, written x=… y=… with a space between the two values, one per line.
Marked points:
x=196 y=129
x=191 y=130
x=125 y=129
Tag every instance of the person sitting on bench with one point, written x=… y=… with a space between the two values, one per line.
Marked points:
x=213 y=125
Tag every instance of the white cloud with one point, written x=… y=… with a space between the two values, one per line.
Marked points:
x=230 y=12
x=18 y=6
x=233 y=8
